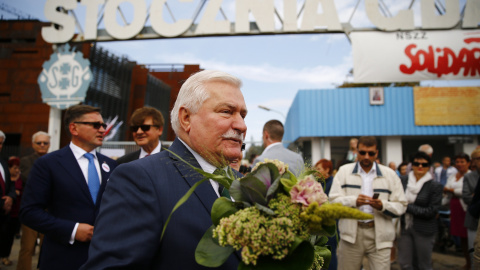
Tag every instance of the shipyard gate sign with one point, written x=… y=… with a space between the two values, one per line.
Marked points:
x=414 y=53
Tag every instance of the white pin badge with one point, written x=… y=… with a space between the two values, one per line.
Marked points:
x=105 y=167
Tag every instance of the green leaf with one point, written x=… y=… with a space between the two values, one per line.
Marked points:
x=288 y=180
x=273 y=189
x=299 y=258
x=254 y=189
x=326 y=255
x=321 y=241
x=222 y=207
x=209 y=253
x=266 y=173
x=180 y=202
x=236 y=192
x=330 y=230
x=265 y=209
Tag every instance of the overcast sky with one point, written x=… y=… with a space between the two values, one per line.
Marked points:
x=273 y=68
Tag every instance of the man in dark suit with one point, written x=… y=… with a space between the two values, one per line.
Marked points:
x=146 y=125
x=64 y=191
x=208 y=119
x=7 y=194
x=272 y=141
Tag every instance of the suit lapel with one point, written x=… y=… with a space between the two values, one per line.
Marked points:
x=204 y=192
x=68 y=161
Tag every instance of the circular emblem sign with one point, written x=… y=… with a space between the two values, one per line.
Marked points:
x=65 y=78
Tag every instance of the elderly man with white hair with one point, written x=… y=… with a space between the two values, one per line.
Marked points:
x=208 y=119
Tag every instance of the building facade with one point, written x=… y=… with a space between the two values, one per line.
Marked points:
x=321 y=122
x=119 y=86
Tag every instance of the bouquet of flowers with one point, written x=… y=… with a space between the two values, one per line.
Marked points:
x=275 y=220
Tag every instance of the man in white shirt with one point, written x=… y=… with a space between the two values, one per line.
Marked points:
x=374 y=189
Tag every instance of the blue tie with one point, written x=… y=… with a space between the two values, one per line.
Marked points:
x=93 y=181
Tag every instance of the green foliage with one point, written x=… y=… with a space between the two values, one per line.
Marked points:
x=209 y=253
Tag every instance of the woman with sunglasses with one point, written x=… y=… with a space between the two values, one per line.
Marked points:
x=419 y=225
x=453 y=197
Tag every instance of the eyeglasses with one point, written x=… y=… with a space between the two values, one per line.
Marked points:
x=95 y=125
x=423 y=164
x=145 y=128
x=370 y=153
x=40 y=143
x=476 y=158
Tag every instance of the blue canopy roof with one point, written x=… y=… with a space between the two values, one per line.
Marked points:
x=346 y=112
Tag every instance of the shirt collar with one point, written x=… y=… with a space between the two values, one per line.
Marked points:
x=372 y=170
x=79 y=152
x=144 y=153
x=206 y=167
x=271 y=145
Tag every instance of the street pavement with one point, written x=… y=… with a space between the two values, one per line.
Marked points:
x=448 y=260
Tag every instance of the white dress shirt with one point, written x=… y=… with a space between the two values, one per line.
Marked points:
x=83 y=163
x=144 y=153
x=367 y=185
x=206 y=167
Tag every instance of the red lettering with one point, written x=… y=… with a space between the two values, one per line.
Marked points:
x=443 y=61
x=470 y=40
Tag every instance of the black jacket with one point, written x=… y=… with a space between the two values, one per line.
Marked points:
x=425 y=207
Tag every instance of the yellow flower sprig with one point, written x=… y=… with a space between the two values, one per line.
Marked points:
x=326 y=215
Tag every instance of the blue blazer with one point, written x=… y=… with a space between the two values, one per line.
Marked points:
x=56 y=197
x=139 y=198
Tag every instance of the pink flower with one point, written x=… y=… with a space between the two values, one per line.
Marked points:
x=307 y=191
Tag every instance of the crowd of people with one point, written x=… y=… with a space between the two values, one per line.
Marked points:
x=60 y=200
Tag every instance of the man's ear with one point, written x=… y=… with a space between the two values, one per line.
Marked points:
x=184 y=117
x=73 y=129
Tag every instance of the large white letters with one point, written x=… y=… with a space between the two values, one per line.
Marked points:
x=91 y=18
x=328 y=19
x=471 y=19
x=402 y=21
x=127 y=31
x=430 y=20
x=208 y=24
x=67 y=24
x=163 y=28
x=262 y=10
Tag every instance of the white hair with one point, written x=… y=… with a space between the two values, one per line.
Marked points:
x=193 y=93
x=426 y=148
x=39 y=133
x=2 y=135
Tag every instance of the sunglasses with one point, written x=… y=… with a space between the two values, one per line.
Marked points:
x=423 y=164
x=370 y=153
x=145 y=128
x=40 y=143
x=95 y=125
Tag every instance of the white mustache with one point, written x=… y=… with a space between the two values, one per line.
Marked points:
x=232 y=134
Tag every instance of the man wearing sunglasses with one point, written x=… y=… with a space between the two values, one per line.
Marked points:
x=64 y=191
x=374 y=189
x=40 y=145
x=146 y=125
